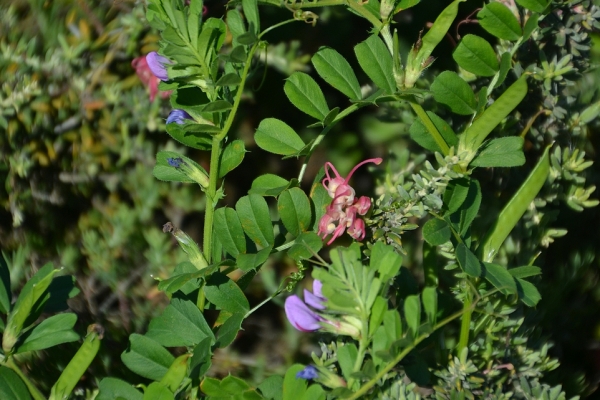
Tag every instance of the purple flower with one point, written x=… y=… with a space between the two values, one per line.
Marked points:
x=178 y=116
x=175 y=162
x=300 y=315
x=309 y=372
x=157 y=65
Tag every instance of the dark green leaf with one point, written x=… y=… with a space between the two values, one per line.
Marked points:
x=456 y=193
x=420 y=134
x=505 y=65
x=165 y=172
x=346 y=357
x=277 y=137
x=268 y=185
x=438 y=31
x=305 y=246
x=498 y=19
x=436 y=232
x=385 y=260
x=468 y=261
x=306 y=95
x=294 y=209
x=335 y=70
x=534 y=5
x=190 y=323
x=250 y=8
x=501 y=152
x=146 y=357
x=528 y=293
x=235 y=23
x=429 y=297
x=451 y=90
x=229 y=330
x=375 y=59
x=231 y=157
x=217 y=106
x=404 y=4
x=293 y=388
x=525 y=271
x=476 y=55
x=320 y=198
x=230 y=79
x=412 y=313
x=225 y=294
x=201 y=141
x=5 y=292
x=530 y=26
x=468 y=210
x=499 y=276
x=50 y=332
x=228 y=229
x=253 y=212
x=246 y=262
x=113 y=388
x=272 y=387
x=11 y=386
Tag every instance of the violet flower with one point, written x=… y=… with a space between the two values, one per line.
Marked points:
x=178 y=116
x=309 y=372
x=341 y=214
x=157 y=65
x=140 y=64
x=300 y=315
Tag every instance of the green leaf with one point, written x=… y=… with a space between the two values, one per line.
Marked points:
x=385 y=260
x=468 y=261
x=201 y=141
x=11 y=385
x=530 y=26
x=346 y=356
x=294 y=209
x=293 y=388
x=528 y=293
x=176 y=373
x=231 y=157
x=190 y=323
x=501 y=152
x=499 y=276
x=229 y=330
x=277 y=137
x=456 y=193
x=504 y=105
x=235 y=23
x=230 y=79
x=211 y=38
x=375 y=59
x=534 y=5
x=525 y=271
x=306 y=95
x=476 y=55
x=225 y=294
x=250 y=8
x=217 y=106
x=201 y=360
x=157 y=391
x=436 y=232
x=253 y=212
x=50 y=332
x=5 y=292
x=505 y=66
x=499 y=20
x=466 y=213
x=113 y=388
x=405 y=4
x=320 y=198
x=33 y=291
x=165 y=172
x=412 y=313
x=335 y=70
x=451 y=90
x=146 y=357
x=272 y=387
x=305 y=246
x=228 y=229
x=246 y=262
x=429 y=297
x=514 y=210
x=420 y=134
x=269 y=185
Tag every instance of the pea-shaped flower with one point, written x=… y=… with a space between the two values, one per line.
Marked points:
x=157 y=65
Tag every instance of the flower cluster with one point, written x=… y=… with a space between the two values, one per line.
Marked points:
x=341 y=214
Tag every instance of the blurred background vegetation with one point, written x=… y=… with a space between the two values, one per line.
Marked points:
x=79 y=133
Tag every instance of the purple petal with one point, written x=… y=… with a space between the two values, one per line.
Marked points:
x=300 y=316
x=309 y=372
x=317 y=287
x=157 y=63
x=178 y=116
x=313 y=300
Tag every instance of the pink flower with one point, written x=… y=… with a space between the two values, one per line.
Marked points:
x=341 y=214
x=140 y=64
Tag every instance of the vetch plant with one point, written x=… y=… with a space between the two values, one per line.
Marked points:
x=386 y=336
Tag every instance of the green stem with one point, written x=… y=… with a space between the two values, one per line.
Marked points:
x=269 y=29
x=362 y=11
x=465 y=325
x=373 y=381
x=211 y=192
x=33 y=390
x=362 y=349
